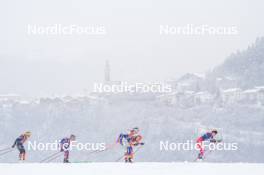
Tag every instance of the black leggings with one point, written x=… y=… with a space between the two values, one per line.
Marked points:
x=21 y=149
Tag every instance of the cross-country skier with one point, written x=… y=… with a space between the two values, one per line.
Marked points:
x=130 y=140
x=19 y=144
x=65 y=146
x=209 y=136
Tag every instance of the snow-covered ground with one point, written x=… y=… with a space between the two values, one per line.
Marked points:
x=132 y=169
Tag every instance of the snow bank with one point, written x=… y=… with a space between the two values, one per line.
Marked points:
x=133 y=169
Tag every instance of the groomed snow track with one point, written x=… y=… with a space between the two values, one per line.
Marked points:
x=132 y=169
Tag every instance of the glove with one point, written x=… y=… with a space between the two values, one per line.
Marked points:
x=220 y=140
x=213 y=140
x=136 y=144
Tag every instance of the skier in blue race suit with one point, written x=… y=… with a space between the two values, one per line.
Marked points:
x=19 y=143
x=132 y=139
x=65 y=146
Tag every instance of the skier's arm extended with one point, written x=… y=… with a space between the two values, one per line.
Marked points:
x=15 y=143
x=136 y=144
x=120 y=139
x=137 y=141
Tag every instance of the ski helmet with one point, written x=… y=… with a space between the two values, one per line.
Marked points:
x=136 y=129
x=72 y=136
x=27 y=133
x=214 y=131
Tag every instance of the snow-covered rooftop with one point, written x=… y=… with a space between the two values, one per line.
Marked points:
x=232 y=90
x=251 y=91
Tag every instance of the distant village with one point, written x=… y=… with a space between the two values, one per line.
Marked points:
x=189 y=91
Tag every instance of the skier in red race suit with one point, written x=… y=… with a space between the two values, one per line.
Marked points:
x=132 y=139
x=207 y=136
x=19 y=144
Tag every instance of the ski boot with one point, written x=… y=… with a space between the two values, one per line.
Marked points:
x=128 y=160
x=200 y=157
x=66 y=161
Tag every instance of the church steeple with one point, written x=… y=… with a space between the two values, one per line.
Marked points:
x=107 y=71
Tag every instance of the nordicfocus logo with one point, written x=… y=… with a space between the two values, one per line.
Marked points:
x=192 y=30
x=60 y=30
x=124 y=87
x=189 y=145
x=56 y=146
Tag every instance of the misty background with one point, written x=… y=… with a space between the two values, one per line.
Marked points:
x=229 y=97
x=45 y=65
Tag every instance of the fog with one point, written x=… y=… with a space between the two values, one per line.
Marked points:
x=67 y=64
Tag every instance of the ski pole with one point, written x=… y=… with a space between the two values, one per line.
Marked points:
x=120 y=158
x=123 y=155
x=96 y=151
x=110 y=146
x=51 y=156
x=107 y=148
x=206 y=153
x=6 y=152
x=209 y=151
x=5 y=149
x=92 y=152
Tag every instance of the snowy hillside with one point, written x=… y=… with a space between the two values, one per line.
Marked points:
x=138 y=168
x=246 y=67
x=242 y=69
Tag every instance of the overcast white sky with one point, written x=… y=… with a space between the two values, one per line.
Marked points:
x=38 y=65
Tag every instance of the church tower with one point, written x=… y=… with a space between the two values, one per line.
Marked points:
x=107 y=71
